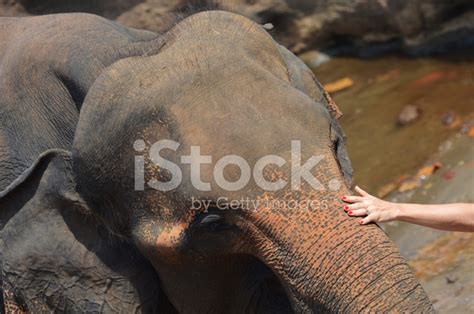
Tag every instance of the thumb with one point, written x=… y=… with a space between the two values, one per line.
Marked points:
x=361 y=192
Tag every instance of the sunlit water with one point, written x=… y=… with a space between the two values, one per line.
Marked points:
x=379 y=149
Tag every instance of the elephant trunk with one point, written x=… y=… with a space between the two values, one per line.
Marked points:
x=326 y=261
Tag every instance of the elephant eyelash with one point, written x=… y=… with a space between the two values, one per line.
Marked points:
x=213 y=222
x=334 y=138
x=212 y=218
x=335 y=144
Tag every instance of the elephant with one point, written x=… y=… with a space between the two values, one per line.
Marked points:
x=64 y=261
x=93 y=217
x=48 y=63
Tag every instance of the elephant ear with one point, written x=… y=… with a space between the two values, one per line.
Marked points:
x=55 y=59
x=303 y=78
x=55 y=256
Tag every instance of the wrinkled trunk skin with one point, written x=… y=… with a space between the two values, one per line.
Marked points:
x=327 y=261
x=334 y=264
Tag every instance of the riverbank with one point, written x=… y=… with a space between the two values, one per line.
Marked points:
x=430 y=159
x=443 y=261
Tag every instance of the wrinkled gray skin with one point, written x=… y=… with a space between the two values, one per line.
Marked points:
x=47 y=65
x=77 y=236
x=55 y=257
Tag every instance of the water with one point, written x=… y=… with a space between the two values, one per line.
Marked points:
x=379 y=149
x=382 y=151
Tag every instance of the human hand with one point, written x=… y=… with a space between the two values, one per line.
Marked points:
x=375 y=209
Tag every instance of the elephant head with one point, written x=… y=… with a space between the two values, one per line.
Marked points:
x=149 y=158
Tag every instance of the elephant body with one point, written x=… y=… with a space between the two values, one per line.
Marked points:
x=78 y=235
x=65 y=262
x=48 y=63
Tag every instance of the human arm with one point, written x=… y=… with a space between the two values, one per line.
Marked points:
x=449 y=217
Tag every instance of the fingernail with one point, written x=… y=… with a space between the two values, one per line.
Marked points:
x=350 y=212
x=346 y=207
x=361 y=222
x=343 y=197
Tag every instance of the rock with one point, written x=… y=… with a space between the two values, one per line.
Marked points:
x=450 y=280
x=408 y=115
x=362 y=28
x=108 y=8
x=11 y=8
x=448 y=118
x=339 y=85
x=470 y=133
x=428 y=170
x=468 y=128
x=409 y=185
x=386 y=189
x=448 y=175
x=314 y=58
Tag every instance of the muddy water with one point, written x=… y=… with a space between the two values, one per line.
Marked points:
x=380 y=150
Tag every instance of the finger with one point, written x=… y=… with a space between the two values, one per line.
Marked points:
x=354 y=206
x=369 y=219
x=352 y=198
x=361 y=192
x=358 y=212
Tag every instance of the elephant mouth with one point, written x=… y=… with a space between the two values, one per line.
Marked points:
x=276 y=296
x=269 y=295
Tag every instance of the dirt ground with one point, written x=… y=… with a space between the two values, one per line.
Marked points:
x=443 y=261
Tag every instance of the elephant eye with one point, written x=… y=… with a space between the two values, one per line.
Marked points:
x=212 y=218
x=334 y=138
x=339 y=149
x=213 y=222
x=335 y=144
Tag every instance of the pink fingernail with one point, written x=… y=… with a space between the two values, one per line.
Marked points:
x=350 y=212
x=361 y=222
x=344 y=198
x=346 y=207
